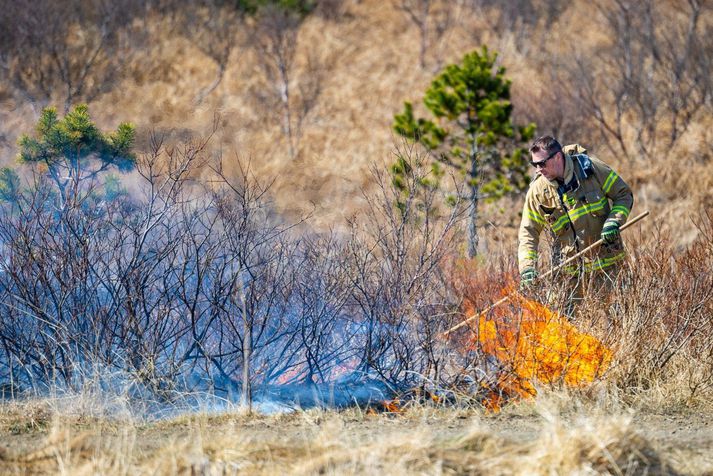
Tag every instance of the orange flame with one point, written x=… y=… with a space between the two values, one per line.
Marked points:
x=536 y=344
x=387 y=406
x=392 y=406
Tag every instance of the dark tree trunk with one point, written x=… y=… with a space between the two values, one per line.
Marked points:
x=473 y=208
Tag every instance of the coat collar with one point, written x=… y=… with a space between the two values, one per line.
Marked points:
x=568 y=171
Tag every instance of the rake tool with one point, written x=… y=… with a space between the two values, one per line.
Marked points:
x=551 y=271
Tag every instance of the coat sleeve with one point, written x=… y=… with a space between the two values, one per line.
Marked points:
x=529 y=234
x=616 y=190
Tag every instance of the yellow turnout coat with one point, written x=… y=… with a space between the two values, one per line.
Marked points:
x=574 y=212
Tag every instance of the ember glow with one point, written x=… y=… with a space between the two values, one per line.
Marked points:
x=390 y=406
x=532 y=343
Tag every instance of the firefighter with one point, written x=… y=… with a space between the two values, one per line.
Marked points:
x=578 y=199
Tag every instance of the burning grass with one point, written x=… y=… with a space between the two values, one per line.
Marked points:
x=521 y=342
x=533 y=344
x=649 y=336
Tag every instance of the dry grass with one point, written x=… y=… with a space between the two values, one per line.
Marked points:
x=556 y=434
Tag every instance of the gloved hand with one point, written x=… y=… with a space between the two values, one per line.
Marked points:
x=527 y=276
x=610 y=231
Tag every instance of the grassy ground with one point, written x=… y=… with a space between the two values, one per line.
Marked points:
x=555 y=434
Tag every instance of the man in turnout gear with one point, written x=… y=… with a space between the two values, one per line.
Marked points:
x=578 y=199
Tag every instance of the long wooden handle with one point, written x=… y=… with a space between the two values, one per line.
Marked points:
x=553 y=270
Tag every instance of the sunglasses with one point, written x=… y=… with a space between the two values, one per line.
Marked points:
x=542 y=163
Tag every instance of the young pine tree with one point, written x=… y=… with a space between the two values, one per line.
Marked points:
x=73 y=151
x=470 y=130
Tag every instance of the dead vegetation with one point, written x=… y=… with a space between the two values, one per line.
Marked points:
x=631 y=83
x=550 y=436
x=199 y=290
x=272 y=254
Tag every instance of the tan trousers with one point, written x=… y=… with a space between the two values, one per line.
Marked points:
x=569 y=296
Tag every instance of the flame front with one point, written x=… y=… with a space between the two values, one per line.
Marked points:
x=537 y=344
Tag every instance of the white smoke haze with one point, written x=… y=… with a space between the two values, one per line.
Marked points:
x=178 y=288
x=184 y=291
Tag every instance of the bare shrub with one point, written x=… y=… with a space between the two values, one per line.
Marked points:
x=433 y=18
x=70 y=52
x=100 y=301
x=657 y=82
x=556 y=111
x=149 y=286
x=521 y=19
x=212 y=26
x=661 y=317
x=326 y=332
x=195 y=284
x=258 y=326
x=395 y=257
x=334 y=10
x=289 y=95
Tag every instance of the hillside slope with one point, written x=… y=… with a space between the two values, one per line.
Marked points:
x=353 y=72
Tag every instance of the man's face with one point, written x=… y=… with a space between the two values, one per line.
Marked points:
x=551 y=166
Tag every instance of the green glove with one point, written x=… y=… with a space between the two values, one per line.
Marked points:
x=527 y=276
x=610 y=231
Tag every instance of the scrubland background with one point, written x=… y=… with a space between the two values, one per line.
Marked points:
x=628 y=80
x=343 y=283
